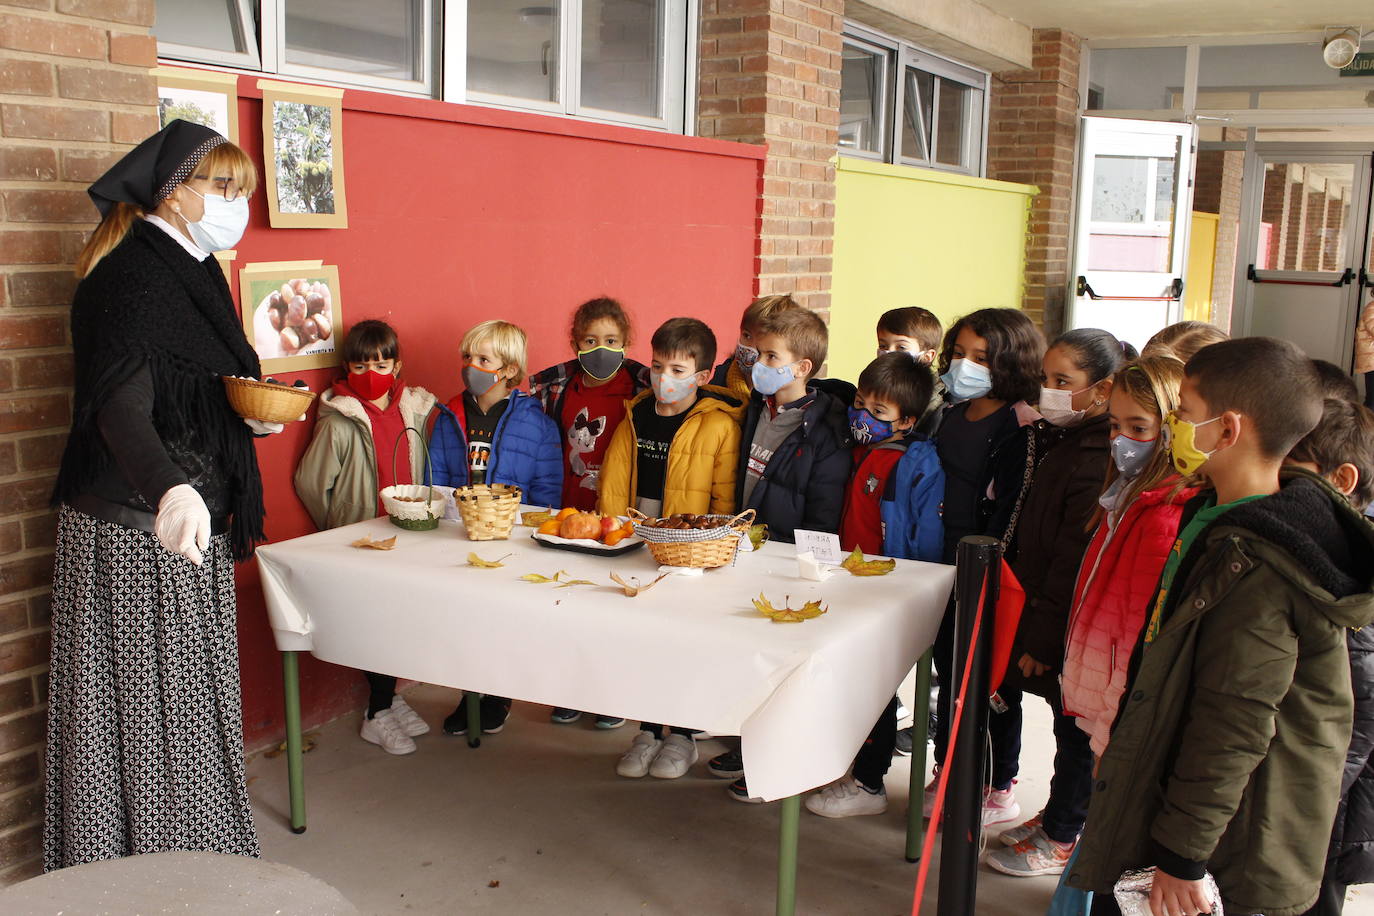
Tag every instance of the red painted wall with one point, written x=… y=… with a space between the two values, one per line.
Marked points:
x=458 y=214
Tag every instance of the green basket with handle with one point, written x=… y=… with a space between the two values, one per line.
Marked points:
x=414 y=507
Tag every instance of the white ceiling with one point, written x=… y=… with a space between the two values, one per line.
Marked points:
x=1179 y=18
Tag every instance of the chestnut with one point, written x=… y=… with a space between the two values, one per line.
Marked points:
x=309 y=331
x=314 y=304
x=325 y=324
x=285 y=292
x=295 y=311
x=300 y=286
x=277 y=316
x=290 y=340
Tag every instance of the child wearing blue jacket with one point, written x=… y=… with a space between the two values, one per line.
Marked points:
x=492 y=433
x=892 y=507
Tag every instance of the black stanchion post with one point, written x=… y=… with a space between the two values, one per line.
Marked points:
x=978 y=564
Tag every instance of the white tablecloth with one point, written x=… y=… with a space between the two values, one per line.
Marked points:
x=691 y=652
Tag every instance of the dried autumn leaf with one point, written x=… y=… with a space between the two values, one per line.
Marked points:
x=535 y=519
x=632 y=590
x=786 y=614
x=541 y=580
x=858 y=566
x=370 y=544
x=475 y=560
x=758 y=535
x=574 y=582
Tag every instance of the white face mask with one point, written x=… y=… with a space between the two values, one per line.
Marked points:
x=1056 y=406
x=222 y=224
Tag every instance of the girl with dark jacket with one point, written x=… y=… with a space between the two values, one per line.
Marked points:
x=991 y=365
x=1047 y=550
x=158 y=494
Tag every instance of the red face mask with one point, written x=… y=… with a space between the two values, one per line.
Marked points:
x=370 y=385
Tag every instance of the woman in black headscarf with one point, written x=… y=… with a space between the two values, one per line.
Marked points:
x=159 y=493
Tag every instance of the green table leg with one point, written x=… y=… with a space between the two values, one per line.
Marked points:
x=474 y=704
x=787 y=856
x=295 y=776
x=915 y=820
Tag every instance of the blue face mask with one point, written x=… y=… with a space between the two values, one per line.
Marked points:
x=967 y=380
x=768 y=381
x=865 y=428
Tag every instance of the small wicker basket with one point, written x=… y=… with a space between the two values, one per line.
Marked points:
x=488 y=510
x=414 y=507
x=695 y=548
x=255 y=400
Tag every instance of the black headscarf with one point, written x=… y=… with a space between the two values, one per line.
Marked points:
x=153 y=169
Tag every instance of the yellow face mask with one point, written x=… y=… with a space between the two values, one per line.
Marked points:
x=1179 y=437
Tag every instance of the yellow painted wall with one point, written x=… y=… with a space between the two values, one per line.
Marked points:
x=908 y=236
x=1202 y=256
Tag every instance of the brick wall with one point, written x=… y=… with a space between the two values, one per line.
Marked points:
x=1032 y=139
x=74 y=93
x=770 y=73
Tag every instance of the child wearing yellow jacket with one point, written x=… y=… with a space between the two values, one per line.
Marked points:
x=678 y=447
x=675 y=452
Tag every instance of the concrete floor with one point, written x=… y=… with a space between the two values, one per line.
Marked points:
x=536 y=821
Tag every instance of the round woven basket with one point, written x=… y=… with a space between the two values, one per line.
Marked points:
x=694 y=548
x=488 y=511
x=414 y=507
x=255 y=400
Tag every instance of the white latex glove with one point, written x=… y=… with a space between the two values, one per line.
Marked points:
x=183 y=523
x=264 y=429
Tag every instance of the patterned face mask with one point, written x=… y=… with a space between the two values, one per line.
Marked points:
x=1179 y=434
x=669 y=390
x=1131 y=455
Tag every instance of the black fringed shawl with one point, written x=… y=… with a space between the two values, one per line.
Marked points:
x=150 y=303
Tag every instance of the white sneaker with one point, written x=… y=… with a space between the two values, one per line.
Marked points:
x=678 y=754
x=384 y=731
x=635 y=762
x=1000 y=807
x=407 y=719
x=846 y=798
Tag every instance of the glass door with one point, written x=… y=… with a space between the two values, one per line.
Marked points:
x=1131 y=236
x=1307 y=237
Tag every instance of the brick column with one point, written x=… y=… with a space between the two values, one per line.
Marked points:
x=770 y=74
x=75 y=93
x=1032 y=139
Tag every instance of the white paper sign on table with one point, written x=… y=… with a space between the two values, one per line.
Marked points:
x=808 y=567
x=822 y=545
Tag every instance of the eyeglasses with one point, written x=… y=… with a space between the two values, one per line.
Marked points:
x=224 y=184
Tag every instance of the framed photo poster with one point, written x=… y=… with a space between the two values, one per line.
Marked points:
x=292 y=314
x=202 y=96
x=302 y=148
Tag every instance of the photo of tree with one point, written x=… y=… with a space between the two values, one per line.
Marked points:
x=304 y=141
x=199 y=98
x=303 y=151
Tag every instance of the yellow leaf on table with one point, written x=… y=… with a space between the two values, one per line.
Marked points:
x=536 y=518
x=786 y=614
x=632 y=590
x=858 y=566
x=574 y=582
x=475 y=560
x=369 y=543
x=541 y=580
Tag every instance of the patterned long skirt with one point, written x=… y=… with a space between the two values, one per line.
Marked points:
x=145 y=730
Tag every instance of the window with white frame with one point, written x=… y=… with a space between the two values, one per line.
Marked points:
x=900 y=103
x=622 y=61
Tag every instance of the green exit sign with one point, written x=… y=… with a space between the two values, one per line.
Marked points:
x=1362 y=65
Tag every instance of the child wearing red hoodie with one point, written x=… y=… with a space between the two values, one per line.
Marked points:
x=1136 y=526
x=359 y=438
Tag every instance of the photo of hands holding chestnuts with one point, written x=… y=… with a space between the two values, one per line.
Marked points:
x=295 y=319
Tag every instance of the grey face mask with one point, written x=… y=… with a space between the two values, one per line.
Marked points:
x=601 y=362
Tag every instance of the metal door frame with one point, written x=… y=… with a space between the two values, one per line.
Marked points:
x=1256 y=155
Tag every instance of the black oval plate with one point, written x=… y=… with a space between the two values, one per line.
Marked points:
x=615 y=551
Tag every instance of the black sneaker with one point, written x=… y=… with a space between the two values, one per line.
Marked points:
x=494 y=711
x=729 y=765
x=903 y=747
